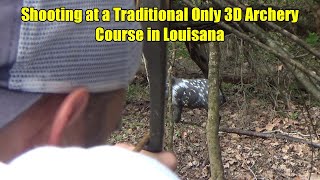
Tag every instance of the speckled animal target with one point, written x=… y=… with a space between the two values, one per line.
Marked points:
x=190 y=93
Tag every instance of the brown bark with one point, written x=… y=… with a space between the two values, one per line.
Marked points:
x=198 y=55
x=269 y=135
x=213 y=113
x=301 y=28
x=304 y=75
x=171 y=122
x=272 y=47
x=233 y=79
x=316 y=12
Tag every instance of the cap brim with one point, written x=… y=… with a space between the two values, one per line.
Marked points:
x=13 y=103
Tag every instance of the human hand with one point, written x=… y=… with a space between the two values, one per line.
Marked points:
x=166 y=158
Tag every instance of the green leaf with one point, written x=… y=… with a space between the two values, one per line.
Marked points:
x=312 y=38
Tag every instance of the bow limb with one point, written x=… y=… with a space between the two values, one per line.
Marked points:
x=156 y=56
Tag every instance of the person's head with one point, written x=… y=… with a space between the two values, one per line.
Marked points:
x=78 y=118
x=58 y=86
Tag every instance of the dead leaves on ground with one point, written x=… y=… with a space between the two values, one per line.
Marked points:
x=244 y=157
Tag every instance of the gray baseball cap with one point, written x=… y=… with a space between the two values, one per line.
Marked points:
x=56 y=57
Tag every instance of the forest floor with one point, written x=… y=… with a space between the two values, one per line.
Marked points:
x=244 y=157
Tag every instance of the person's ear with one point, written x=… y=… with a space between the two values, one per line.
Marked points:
x=70 y=109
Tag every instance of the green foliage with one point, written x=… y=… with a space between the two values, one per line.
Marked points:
x=181 y=52
x=294 y=115
x=177 y=133
x=137 y=92
x=313 y=39
x=118 y=138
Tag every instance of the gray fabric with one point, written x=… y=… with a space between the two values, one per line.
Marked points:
x=55 y=57
x=9 y=35
x=13 y=103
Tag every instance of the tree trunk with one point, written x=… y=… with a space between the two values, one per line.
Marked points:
x=170 y=121
x=213 y=113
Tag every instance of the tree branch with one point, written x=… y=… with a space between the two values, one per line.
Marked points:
x=284 y=57
x=268 y=135
x=283 y=32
